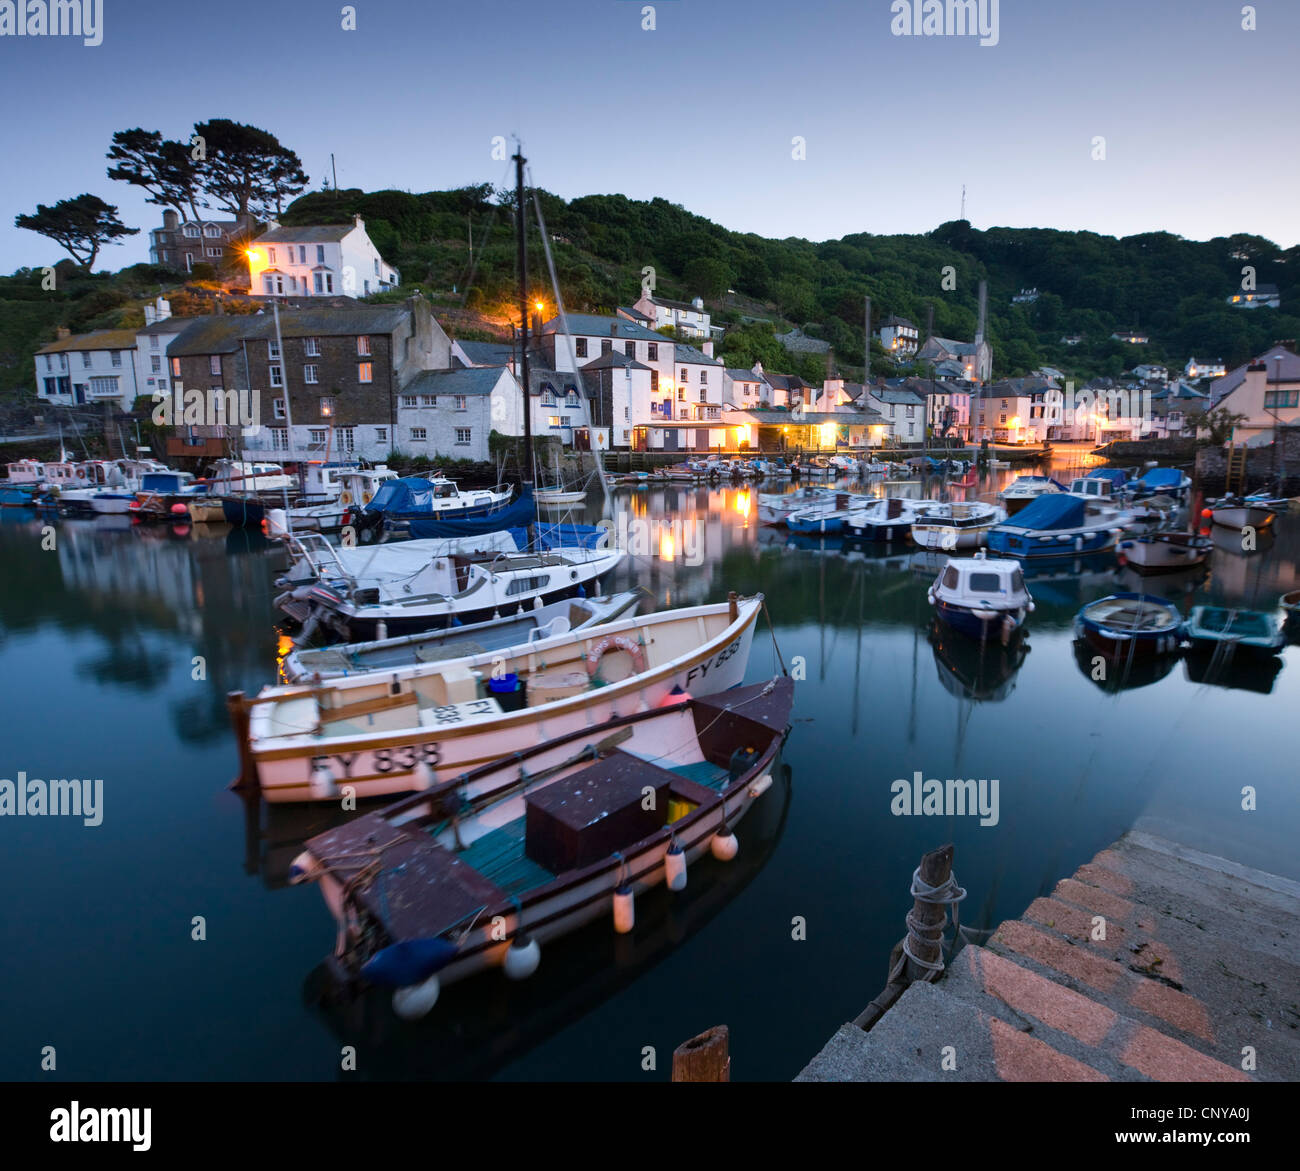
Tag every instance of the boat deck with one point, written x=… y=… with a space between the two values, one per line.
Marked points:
x=1126 y=614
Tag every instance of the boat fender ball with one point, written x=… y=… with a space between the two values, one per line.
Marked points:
x=415 y=1001
x=424 y=776
x=408 y=963
x=675 y=868
x=761 y=786
x=179 y=509
x=322 y=783
x=724 y=846
x=1206 y=513
x=522 y=957
x=624 y=910
x=303 y=868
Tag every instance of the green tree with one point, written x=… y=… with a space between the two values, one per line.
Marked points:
x=81 y=226
x=162 y=168
x=246 y=169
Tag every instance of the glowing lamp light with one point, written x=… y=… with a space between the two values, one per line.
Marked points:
x=667 y=549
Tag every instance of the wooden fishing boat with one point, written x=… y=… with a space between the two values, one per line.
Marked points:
x=1235 y=512
x=412 y=586
x=381 y=732
x=1223 y=630
x=888 y=518
x=165 y=496
x=1130 y=624
x=557 y=497
x=485 y=868
x=984 y=599
x=1024 y=490
x=956 y=526
x=456 y=642
x=1164 y=551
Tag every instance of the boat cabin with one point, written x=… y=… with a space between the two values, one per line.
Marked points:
x=1092 y=489
x=971 y=581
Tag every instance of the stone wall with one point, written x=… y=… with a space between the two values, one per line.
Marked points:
x=1264 y=465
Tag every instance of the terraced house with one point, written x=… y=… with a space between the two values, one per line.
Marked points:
x=339 y=372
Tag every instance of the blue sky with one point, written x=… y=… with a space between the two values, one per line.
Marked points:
x=1197 y=114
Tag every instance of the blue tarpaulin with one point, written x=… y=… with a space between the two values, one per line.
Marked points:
x=1162 y=478
x=561 y=536
x=412 y=496
x=1116 y=476
x=1054 y=511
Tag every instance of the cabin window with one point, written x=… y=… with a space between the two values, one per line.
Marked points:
x=985 y=583
x=1017 y=582
x=524 y=585
x=950 y=578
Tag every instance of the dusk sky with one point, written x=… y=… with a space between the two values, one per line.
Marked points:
x=1198 y=115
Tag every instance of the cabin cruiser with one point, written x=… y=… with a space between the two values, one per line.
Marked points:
x=1024 y=490
x=980 y=597
x=888 y=518
x=962 y=525
x=1058 y=524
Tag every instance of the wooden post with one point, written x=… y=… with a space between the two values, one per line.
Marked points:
x=705 y=1058
x=237 y=706
x=733 y=607
x=935 y=870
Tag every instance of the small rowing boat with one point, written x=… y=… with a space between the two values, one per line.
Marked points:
x=1130 y=624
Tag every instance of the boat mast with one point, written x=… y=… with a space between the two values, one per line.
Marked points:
x=284 y=382
x=520 y=225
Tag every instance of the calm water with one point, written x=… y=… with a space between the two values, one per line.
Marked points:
x=98 y=640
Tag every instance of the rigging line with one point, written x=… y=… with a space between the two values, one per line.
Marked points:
x=473 y=268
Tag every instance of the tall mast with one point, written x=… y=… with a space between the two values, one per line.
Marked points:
x=284 y=383
x=523 y=314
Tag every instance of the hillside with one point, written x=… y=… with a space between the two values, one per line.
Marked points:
x=1172 y=288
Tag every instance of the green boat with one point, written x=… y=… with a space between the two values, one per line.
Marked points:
x=1209 y=626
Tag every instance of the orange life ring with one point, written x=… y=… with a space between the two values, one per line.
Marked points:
x=619 y=642
x=345 y=498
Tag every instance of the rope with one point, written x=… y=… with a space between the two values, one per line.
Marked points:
x=946 y=894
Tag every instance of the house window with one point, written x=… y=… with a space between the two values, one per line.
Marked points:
x=85 y=360
x=1002 y=418
x=363 y=346
x=214 y=365
x=911 y=412
x=192 y=230
x=103 y=386
x=155 y=364
x=277 y=375
x=277 y=407
x=681 y=395
x=418 y=435
x=428 y=400
x=580 y=346
x=312 y=345
x=548 y=398
x=652 y=351
x=212 y=232
x=309 y=374
x=213 y=251
x=381 y=434
x=279 y=439
x=273 y=351
x=268 y=286
x=554 y=420
x=462 y=436
x=320 y=253
x=365 y=372
x=345 y=437
x=631 y=350
x=408 y=400
x=317 y=434
x=460 y=402
x=63 y=361
x=605 y=346
x=1281 y=398
x=176 y=367
x=270 y=256
x=654 y=381
x=704 y=377
x=115 y=356
x=327 y=408
x=684 y=376
x=51 y=387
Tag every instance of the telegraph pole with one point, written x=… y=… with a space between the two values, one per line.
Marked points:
x=523 y=316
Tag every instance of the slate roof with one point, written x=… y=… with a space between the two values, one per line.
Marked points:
x=593 y=325
x=488 y=353
x=308 y=234
x=470 y=380
x=99 y=339
x=696 y=357
x=740 y=375
x=1220 y=388
x=224 y=334
x=614 y=358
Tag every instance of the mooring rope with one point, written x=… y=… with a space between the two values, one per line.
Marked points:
x=947 y=894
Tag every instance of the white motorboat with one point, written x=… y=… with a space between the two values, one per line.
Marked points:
x=888 y=518
x=366 y=593
x=1164 y=550
x=395 y=731
x=775 y=508
x=963 y=525
x=982 y=598
x=1025 y=490
x=1236 y=512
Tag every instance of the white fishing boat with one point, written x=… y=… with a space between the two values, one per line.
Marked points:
x=484 y=871
x=775 y=508
x=963 y=525
x=1025 y=490
x=558 y=497
x=888 y=518
x=527 y=626
x=365 y=593
x=1164 y=550
x=394 y=731
x=982 y=598
x=1236 y=512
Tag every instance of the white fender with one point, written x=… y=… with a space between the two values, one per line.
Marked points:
x=675 y=868
x=304 y=868
x=322 y=783
x=424 y=776
x=415 y=1000
x=761 y=786
x=522 y=957
x=724 y=846
x=624 y=910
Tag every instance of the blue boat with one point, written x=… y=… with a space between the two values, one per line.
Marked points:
x=18 y=495
x=1057 y=525
x=1130 y=625
x=1162 y=481
x=413 y=498
x=981 y=598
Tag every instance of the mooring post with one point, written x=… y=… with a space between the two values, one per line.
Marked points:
x=705 y=1058
x=925 y=931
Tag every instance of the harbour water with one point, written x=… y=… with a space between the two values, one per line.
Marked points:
x=165 y=943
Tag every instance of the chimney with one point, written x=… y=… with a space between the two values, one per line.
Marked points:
x=171 y=221
x=163 y=308
x=697 y=303
x=708 y=348
x=358 y=222
x=62 y=332
x=984 y=306
x=536 y=326
x=150 y=315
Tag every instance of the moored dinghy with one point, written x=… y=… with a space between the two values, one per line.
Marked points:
x=1130 y=624
x=963 y=525
x=1222 y=630
x=553 y=838
x=1164 y=551
x=381 y=732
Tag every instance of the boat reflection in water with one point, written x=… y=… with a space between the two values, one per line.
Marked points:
x=1169 y=585
x=1116 y=673
x=968 y=670
x=481 y=1025
x=1255 y=673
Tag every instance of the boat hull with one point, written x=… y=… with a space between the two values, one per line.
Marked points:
x=1045 y=545
x=1156 y=556
x=384 y=764
x=981 y=624
x=1243 y=516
